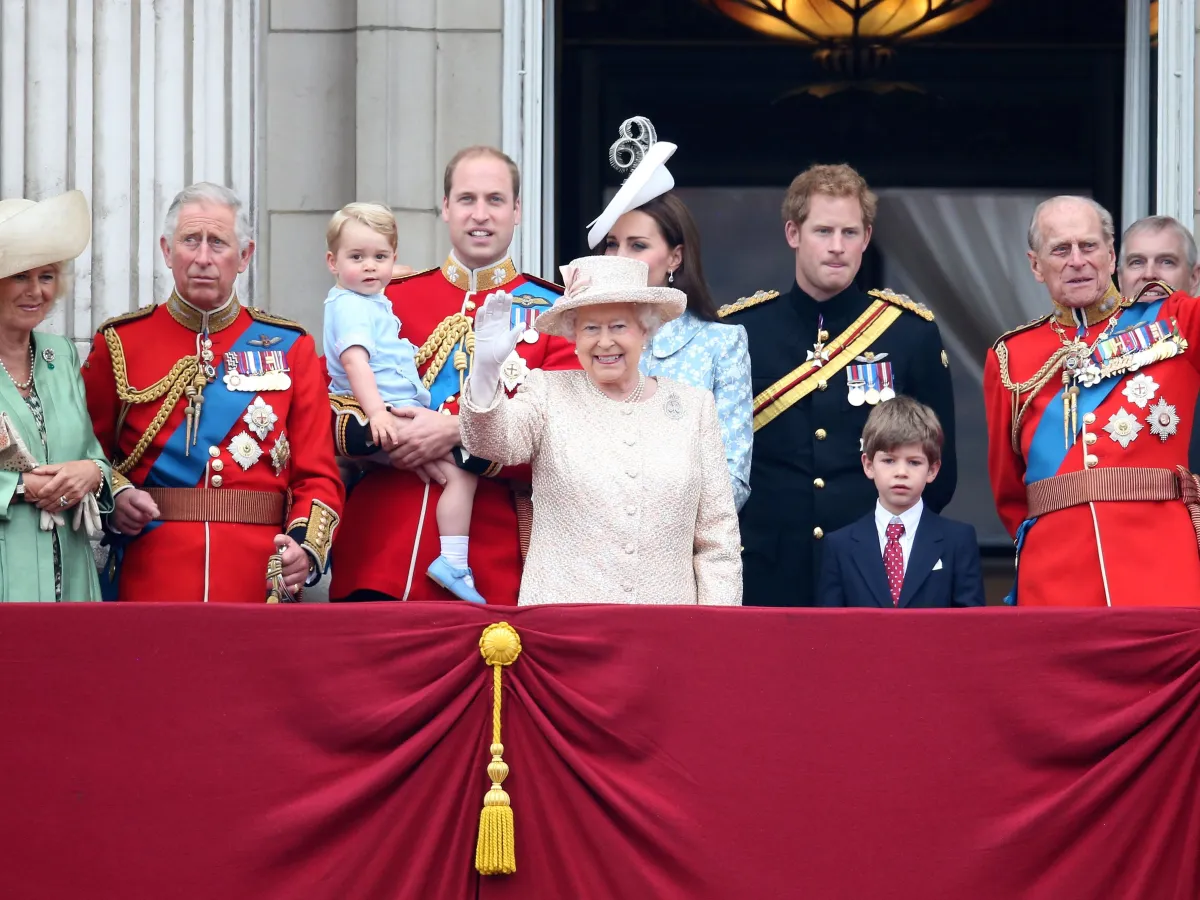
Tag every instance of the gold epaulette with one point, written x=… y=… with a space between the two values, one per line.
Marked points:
x=139 y=313
x=746 y=302
x=260 y=315
x=1032 y=323
x=396 y=279
x=904 y=302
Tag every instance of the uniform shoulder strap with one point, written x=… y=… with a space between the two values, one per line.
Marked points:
x=904 y=302
x=401 y=278
x=261 y=315
x=139 y=313
x=754 y=299
x=1032 y=323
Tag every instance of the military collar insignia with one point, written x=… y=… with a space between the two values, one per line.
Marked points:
x=199 y=320
x=489 y=278
x=1091 y=315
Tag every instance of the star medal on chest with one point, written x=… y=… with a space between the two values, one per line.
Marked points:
x=260 y=418
x=244 y=450
x=818 y=355
x=257 y=370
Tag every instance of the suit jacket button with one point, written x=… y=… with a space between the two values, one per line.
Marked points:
x=820 y=434
x=822 y=385
x=818 y=483
x=818 y=533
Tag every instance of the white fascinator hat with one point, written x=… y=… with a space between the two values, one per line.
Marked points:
x=638 y=152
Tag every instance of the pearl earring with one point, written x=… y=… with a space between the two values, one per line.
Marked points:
x=670 y=278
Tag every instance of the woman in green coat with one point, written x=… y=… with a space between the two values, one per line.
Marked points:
x=41 y=397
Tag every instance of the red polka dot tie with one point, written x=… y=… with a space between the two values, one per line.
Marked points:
x=893 y=559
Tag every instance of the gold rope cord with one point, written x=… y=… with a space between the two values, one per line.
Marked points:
x=1034 y=386
x=440 y=342
x=173 y=384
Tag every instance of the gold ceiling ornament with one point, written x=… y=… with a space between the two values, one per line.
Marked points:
x=842 y=29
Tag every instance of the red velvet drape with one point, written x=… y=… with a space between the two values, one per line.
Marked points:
x=340 y=752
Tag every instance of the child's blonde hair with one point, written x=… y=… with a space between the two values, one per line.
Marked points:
x=374 y=215
x=900 y=422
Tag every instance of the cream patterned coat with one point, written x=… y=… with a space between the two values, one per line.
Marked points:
x=631 y=501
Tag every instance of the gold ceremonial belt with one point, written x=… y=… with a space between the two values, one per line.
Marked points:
x=238 y=507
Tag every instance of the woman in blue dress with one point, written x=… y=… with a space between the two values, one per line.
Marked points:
x=646 y=220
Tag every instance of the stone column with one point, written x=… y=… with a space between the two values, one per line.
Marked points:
x=1176 y=108
x=129 y=101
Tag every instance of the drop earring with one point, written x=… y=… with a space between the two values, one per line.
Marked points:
x=670 y=278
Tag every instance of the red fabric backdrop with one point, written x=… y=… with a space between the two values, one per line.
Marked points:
x=340 y=752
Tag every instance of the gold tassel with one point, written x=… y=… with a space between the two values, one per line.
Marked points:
x=495 y=851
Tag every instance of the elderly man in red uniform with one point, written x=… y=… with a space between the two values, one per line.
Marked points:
x=215 y=416
x=389 y=536
x=1089 y=413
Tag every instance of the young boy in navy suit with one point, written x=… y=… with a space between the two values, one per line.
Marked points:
x=902 y=554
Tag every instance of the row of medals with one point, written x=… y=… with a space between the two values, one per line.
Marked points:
x=859 y=392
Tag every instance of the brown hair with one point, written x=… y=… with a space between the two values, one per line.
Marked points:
x=678 y=228
x=902 y=421
x=838 y=180
x=374 y=215
x=477 y=151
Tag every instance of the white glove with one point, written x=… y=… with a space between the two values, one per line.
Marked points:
x=495 y=338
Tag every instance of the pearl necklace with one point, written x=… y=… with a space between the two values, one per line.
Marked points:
x=27 y=383
x=634 y=397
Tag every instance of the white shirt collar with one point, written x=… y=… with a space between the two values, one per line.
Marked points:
x=911 y=517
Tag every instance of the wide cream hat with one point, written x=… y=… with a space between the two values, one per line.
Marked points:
x=594 y=280
x=34 y=234
x=638 y=152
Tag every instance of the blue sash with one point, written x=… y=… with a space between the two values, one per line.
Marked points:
x=527 y=295
x=1047 y=450
x=175 y=467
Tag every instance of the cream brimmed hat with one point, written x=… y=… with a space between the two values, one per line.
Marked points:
x=637 y=149
x=594 y=280
x=37 y=234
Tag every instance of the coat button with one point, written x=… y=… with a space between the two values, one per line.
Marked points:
x=818 y=483
x=627 y=409
x=631 y=509
x=1091 y=461
x=818 y=533
x=629 y=588
x=822 y=385
x=217 y=481
x=217 y=465
x=632 y=473
x=1089 y=418
x=214 y=452
x=820 y=434
x=629 y=442
x=630 y=548
x=1089 y=439
x=469 y=305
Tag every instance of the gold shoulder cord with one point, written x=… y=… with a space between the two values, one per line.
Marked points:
x=1034 y=385
x=449 y=332
x=171 y=386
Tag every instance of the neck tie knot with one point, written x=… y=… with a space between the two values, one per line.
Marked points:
x=895 y=530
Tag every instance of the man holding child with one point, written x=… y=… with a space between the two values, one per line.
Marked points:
x=386 y=539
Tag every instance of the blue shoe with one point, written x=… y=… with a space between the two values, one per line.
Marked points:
x=459 y=582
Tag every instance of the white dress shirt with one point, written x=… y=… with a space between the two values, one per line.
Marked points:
x=910 y=519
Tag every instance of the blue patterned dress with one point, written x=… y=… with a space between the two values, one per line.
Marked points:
x=713 y=357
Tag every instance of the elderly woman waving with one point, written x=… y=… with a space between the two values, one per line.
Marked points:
x=54 y=479
x=631 y=495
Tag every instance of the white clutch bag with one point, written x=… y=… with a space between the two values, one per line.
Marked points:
x=15 y=457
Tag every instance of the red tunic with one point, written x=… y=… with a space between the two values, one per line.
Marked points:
x=202 y=561
x=389 y=535
x=1146 y=550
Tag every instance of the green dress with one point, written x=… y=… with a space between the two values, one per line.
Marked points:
x=38 y=565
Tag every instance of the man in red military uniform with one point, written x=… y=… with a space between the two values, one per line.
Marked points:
x=389 y=536
x=1089 y=411
x=215 y=417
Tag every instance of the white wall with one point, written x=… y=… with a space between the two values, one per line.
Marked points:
x=129 y=101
